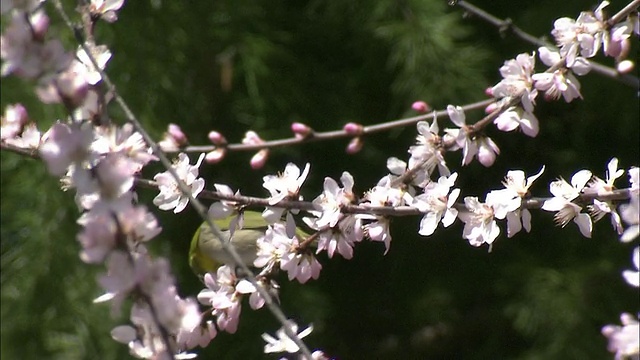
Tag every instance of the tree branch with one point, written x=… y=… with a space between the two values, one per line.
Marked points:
x=506 y=25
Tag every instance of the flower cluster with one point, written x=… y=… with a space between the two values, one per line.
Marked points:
x=101 y=161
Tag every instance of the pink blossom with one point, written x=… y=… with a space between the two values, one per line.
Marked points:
x=624 y=340
x=332 y=199
x=27 y=57
x=106 y=9
x=14 y=118
x=560 y=82
x=64 y=145
x=28 y=139
x=101 y=54
x=340 y=238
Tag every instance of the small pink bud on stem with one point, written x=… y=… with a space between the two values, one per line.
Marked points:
x=216 y=138
x=252 y=138
x=491 y=108
x=39 y=22
x=259 y=159
x=355 y=145
x=625 y=66
x=488 y=91
x=215 y=156
x=301 y=130
x=421 y=107
x=353 y=129
x=177 y=134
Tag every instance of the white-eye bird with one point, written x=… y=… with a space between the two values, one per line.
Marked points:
x=206 y=253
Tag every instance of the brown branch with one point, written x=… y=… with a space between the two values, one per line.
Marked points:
x=31 y=153
x=335 y=134
x=251 y=201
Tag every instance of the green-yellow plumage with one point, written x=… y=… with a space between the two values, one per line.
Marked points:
x=206 y=253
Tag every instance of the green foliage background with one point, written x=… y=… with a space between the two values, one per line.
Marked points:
x=543 y=295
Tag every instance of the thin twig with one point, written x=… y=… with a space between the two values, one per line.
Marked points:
x=255 y=202
x=335 y=134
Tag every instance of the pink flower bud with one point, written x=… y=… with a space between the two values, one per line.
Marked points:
x=355 y=145
x=301 y=130
x=491 y=108
x=215 y=156
x=353 y=129
x=216 y=138
x=176 y=133
x=625 y=66
x=252 y=138
x=259 y=159
x=488 y=91
x=487 y=152
x=420 y=107
x=39 y=24
x=625 y=46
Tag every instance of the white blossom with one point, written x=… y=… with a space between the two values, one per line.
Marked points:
x=563 y=194
x=437 y=202
x=170 y=196
x=426 y=151
x=515 y=181
x=284 y=343
x=633 y=276
x=479 y=224
x=285 y=185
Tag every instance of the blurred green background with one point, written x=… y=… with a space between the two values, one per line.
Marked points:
x=543 y=295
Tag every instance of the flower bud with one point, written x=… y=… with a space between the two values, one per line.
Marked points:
x=488 y=91
x=176 y=133
x=625 y=46
x=355 y=145
x=625 y=66
x=216 y=138
x=39 y=22
x=259 y=159
x=301 y=130
x=487 y=151
x=491 y=108
x=252 y=138
x=353 y=129
x=215 y=156
x=420 y=107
